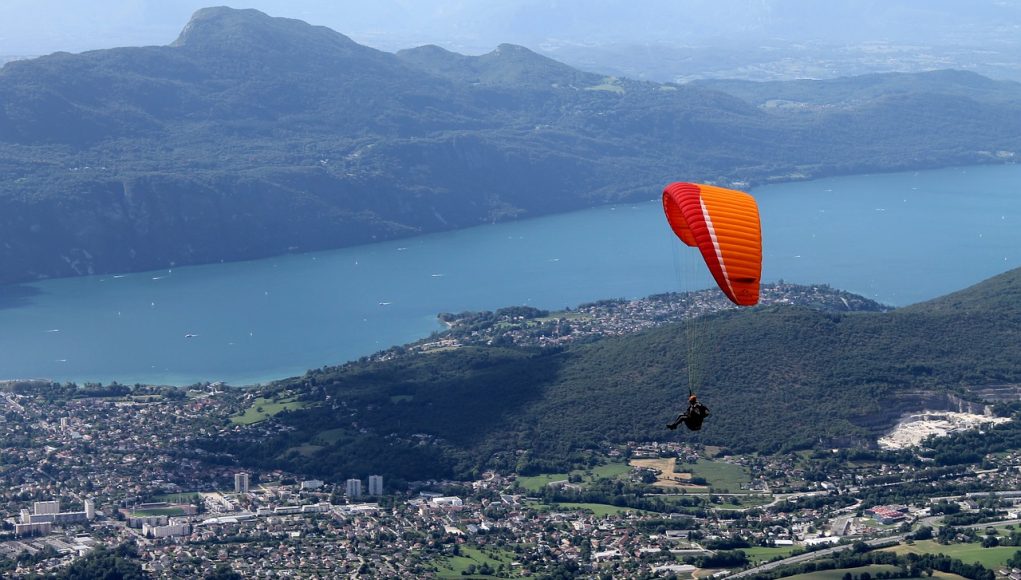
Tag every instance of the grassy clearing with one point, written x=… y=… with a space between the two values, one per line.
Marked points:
x=262 y=409
x=609 y=86
x=991 y=558
x=759 y=554
x=610 y=470
x=457 y=566
x=535 y=483
x=573 y=316
x=538 y=506
x=599 y=509
x=721 y=475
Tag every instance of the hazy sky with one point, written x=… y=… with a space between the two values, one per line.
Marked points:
x=32 y=27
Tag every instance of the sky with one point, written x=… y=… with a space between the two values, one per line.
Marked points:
x=35 y=27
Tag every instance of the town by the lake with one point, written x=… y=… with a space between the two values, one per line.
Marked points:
x=91 y=467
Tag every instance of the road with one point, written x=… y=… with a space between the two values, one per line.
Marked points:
x=875 y=543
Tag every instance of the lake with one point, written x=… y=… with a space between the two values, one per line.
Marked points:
x=898 y=238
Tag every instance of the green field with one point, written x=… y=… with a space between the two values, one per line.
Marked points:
x=721 y=475
x=759 y=554
x=537 y=482
x=599 y=509
x=457 y=566
x=991 y=558
x=268 y=408
x=608 y=471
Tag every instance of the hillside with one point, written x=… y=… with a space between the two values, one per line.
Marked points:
x=780 y=378
x=848 y=91
x=252 y=136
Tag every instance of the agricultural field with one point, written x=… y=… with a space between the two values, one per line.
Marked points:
x=991 y=558
x=666 y=477
x=722 y=476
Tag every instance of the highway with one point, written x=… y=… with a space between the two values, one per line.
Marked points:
x=930 y=521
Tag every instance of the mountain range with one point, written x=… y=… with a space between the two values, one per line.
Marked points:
x=778 y=379
x=252 y=136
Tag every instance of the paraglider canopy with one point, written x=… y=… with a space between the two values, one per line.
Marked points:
x=724 y=225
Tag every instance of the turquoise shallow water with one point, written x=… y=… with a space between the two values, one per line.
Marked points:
x=897 y=238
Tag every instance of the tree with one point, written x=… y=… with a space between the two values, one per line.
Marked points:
x=104 y=564
x=223 y=572
x=923 y=533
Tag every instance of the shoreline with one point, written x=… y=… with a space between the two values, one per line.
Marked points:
x=748 y=184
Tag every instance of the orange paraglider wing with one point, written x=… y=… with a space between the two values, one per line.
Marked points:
x=724 y=225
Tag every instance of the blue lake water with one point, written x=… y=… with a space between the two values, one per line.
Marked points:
x=897 y=238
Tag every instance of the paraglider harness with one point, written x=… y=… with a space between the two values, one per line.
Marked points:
x=693 y=416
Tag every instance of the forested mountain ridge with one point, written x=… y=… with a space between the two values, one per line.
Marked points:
x=778 y=378
x=252 y=136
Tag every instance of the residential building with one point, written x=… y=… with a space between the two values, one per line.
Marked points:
x=375 y=485
x=353 y=488
x=46 y=507
x=240 y=483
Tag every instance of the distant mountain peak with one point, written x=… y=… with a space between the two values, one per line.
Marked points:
x=506 y=65
x=519 y=53
x=514 y=48
x=222 y=27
